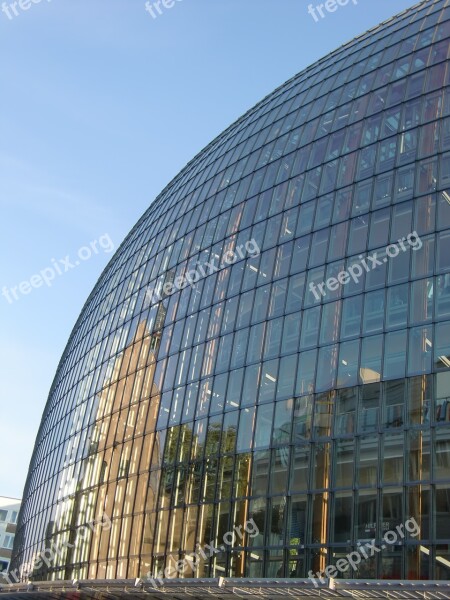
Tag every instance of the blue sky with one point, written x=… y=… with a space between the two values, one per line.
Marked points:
x=101 y=106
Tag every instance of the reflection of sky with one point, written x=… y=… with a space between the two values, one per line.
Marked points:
x=102 y=106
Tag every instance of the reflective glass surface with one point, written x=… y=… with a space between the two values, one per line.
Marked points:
x=181 y=414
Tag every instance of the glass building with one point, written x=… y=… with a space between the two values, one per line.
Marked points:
x=182 y=411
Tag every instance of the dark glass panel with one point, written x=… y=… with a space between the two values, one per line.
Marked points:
x=345 y=409
x=369 y=407
x=397 y=307
x=342 y=522
x=394 y=355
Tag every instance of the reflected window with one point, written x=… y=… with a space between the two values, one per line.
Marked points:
x=369 y=407
x=366 y=471
x=393 y=458
x=342 y=522
x=394 y=355
x=345 y=408
x=420 y=350
x=263 y=429
x=326 y=368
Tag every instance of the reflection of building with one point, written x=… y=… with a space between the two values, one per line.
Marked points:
x=325 y=420
x=9 y=511
x=120 y=439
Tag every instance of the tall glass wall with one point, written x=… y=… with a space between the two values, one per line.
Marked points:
x=323 y=417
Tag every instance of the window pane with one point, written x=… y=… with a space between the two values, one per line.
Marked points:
x=394 y=355
x=286 y=379
x=442 y=346
x=246 y=428
x=443 y=253
x=351 y=317
x=421 y=309
x=397 y=306
x=371 y=354
x=346 y=400
x=326 y=368
x=420 y=350
x=367 y=469
x=348 y=364
x=342 y=523
x=264 y=426
x=345 y=452
x=373 y=312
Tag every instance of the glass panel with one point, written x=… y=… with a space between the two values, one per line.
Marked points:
x=326 y=368
x=419 y=456
x=423 y=260
x=442 y=346
x=418 y=507
x=394 y=355
x=321 y=466
x=393 y=460
x=264 y=423
x=291 y=333
x=442 y=508
x=257 y=511
x=306 y=373
x=442 y=413
x=246 y=429
x=255 y=344
x=358 y=235
x=443 y=221
x=351 y=317
x=443 y=296
x=342 y=522
x=420 y=350
x=300 y=254
x=282 y=422
x=300 y=468
x=279 y=471
x=331 y=320
x=302 y=422
x=269 y=376
x=367 y=517
x=346 y=401
x=319 y=248
x=251 y=382
x=234 y=391
x=310 y=328
x=286 y=379
x=442 y=456
x=443 y=252
x=274 y=330
x=379 y=228
x=371 y=355
x=421 y=309
x=297 y=523
x=370 y=407
x=373 y=312
x=348 y=364
x=277 y=523
x=345 y=452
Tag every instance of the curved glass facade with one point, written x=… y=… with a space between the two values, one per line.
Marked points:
x=323 y=417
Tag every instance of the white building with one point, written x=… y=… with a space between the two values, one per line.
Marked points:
x=9 y=511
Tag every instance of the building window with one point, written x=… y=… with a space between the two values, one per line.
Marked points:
x=3 y=515
x=8 y=542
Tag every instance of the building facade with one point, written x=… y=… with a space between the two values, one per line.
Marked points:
x=271 y=342
x=9 y=512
